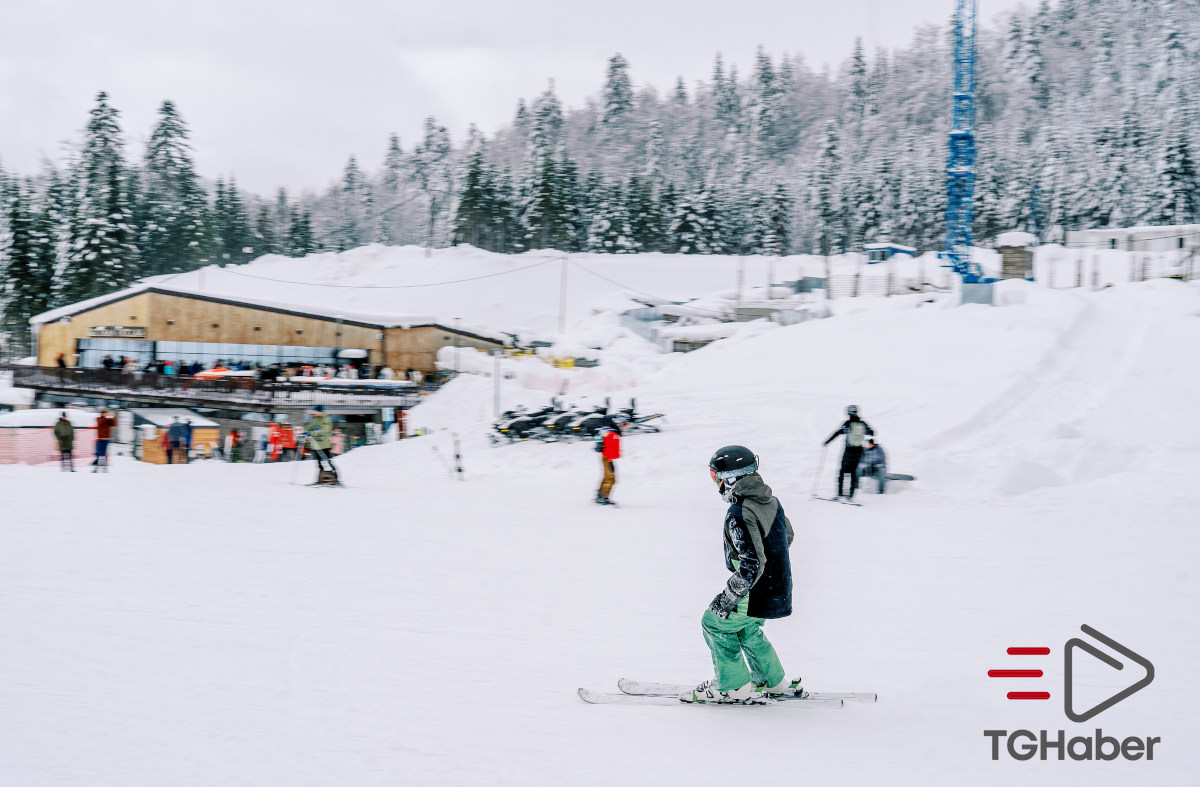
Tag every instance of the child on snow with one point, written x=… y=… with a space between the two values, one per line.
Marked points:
x=757 y=538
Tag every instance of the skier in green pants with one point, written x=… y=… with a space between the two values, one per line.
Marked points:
x=757 y=537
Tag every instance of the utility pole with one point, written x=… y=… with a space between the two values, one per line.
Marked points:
x=741 y=274
x=499 y=368
x=562 y=298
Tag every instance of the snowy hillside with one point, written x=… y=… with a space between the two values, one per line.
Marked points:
x=214 y=624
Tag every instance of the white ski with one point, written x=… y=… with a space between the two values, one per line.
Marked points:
x=639 y=688
x=618 y=698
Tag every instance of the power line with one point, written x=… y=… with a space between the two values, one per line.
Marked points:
x=643 y=293
x=390 y=286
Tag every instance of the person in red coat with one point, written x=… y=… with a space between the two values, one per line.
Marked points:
x=104 y=427
x=608 y=444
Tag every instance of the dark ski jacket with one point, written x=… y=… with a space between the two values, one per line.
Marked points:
x=844 y=429
x=758 y=535
x=874 y=456
x=64 y=432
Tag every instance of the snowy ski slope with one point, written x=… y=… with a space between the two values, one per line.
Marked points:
x=215 y=625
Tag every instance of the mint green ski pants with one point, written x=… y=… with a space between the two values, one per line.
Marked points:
x=729 y=638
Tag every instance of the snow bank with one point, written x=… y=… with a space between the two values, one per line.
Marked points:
x=49 y=417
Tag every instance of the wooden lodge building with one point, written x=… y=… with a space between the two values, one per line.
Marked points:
x=152 y=321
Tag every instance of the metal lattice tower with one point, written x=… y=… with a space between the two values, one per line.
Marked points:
x=960 y=168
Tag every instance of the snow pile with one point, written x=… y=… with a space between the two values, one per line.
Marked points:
x=13 y=396
x=48 y=417
x=1015 y=238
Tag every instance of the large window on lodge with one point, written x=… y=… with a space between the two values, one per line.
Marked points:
x=208 y=353
x=92 y=352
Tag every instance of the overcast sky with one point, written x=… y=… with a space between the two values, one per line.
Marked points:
x=281 y=92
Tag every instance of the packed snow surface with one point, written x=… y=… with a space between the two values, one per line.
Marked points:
x=215 y=624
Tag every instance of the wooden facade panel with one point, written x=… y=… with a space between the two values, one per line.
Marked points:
x=60 y=337
x=172 y=318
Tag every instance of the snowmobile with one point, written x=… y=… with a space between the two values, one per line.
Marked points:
x=632 y=423
x=519 y=424
x=585 y=425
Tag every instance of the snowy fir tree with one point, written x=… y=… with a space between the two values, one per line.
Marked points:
x=27 y=260
x=234 y=238
x=618 y=91
x=611 y=230
x=103 y=255
x=433 y=172
x=176 y=227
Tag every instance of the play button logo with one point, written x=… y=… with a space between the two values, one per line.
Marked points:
x=1068 y=677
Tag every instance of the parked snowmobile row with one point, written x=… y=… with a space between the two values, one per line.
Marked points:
x=558 y=423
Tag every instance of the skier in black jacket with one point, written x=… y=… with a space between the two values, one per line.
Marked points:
x=856 y=430
x=757 y=536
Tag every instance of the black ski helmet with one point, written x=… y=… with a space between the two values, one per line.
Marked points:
x=852 y=410
x=732 y=462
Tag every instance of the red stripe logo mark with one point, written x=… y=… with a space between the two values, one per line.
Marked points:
x=1020 y=650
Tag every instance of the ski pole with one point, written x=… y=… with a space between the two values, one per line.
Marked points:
x=457 y=458
x=820 y=467
x=443 y=461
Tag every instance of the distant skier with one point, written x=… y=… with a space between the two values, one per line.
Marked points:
x=757 y=538
x=855 y=430
x=873 y=463
x=608 y=445
x=104 y=427
x=64 y=433
x=320 y=433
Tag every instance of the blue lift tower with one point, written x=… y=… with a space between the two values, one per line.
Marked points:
x=960 y=167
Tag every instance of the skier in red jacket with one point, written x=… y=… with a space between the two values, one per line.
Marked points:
x=608 y=444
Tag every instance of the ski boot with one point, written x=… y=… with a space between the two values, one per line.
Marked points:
x=604 y=501
x=707 y=692
x=785 y=688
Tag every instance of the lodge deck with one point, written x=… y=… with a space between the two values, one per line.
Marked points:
x=239 y=393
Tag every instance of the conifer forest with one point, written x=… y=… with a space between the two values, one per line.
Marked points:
x=1088 y=116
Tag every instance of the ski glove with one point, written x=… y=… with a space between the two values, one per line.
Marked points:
x=723 y=604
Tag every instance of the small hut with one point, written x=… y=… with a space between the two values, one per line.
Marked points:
x=206 y=434
x=1016 y=254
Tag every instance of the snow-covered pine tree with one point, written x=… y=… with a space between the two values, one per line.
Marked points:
x=233 y=235
x=352 y=226
x=1179 y=186
x=618 y=91
x=680 y=94
x=175 y=231
x=265 y=239
x=858 y=89
x=549 y=214
x=827 y=199
x=300 y=240
x=391 y=181
x=611 y=232
x=645 y=218
x=103 y=255
x=27 y=259
x=473 y=218
x=433 y=172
